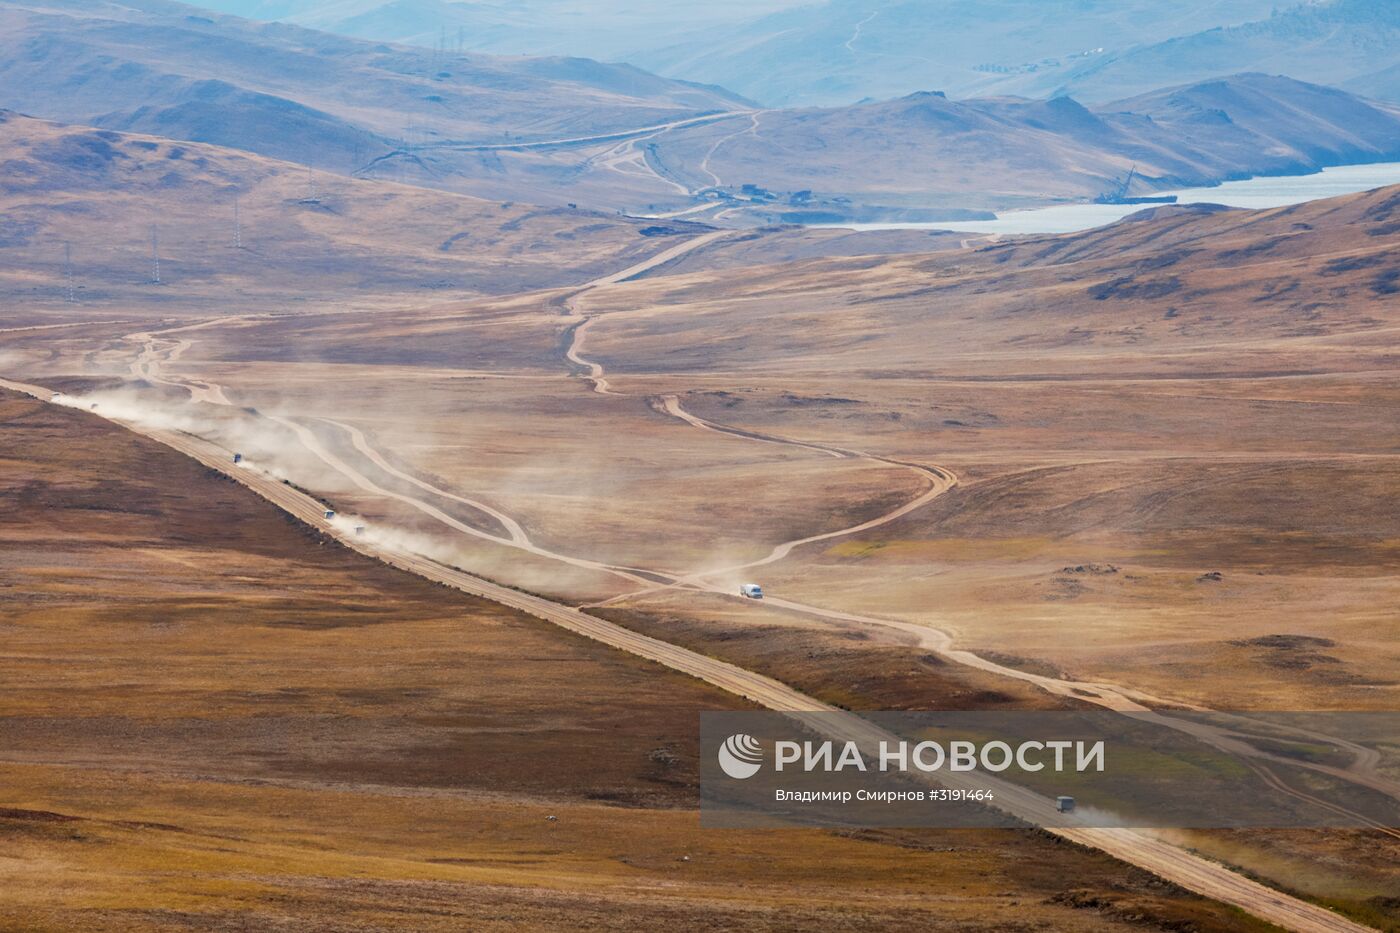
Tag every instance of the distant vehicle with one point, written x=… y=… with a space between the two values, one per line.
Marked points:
x=237 y=458
x=1064 y=804
x=751 y=590
x=330 y=513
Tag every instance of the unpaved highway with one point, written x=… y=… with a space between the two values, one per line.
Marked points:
x=1106 y=695
x=565 y=142
x=1190 y=871
x=1133 y=846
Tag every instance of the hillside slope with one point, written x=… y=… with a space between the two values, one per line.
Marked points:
x=925 y=149
x=237 y=230
x=1165 y=278
x=1354 y=44
x=168 y=69
x=604 y=29
x=840 y=51
x=221 y=720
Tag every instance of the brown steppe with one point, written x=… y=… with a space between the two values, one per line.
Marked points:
x=217 y=718
x=1174 y=442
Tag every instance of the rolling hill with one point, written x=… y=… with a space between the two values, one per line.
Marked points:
x=571 y=131
x=842 y=51
x=168 y=69
x=237 y=229
x=927 y=157
x=603 y=29
x=1353 y=44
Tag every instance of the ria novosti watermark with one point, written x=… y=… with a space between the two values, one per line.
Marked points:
x=1100 y=768
x=741 y=755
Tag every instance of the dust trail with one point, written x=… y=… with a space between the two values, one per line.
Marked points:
x=1110 y=696
x=1137 y=847
x=357 y=437
x=311 y=442
x=156 y=352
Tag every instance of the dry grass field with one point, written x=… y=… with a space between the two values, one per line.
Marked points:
x=1130 y=413
x=217 y=719
x=244 y=231
x=1156 y=456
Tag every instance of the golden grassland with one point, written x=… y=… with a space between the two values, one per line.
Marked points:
x=1170 y=439
x=216 y=719
x=1152 y=404
x=234 y=229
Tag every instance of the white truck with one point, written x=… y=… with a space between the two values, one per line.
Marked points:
x=751 y=590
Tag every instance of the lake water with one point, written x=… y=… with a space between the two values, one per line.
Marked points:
x=1252 y=192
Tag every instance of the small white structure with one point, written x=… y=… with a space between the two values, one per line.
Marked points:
x=330 y=513
x=751 y=590
x=1064 y=804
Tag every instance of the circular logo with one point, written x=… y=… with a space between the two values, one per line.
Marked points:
x=741 y=756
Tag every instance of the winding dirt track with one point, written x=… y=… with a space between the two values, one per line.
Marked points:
x=1133 y=846
x=311 y=442
x=16 y=330
x=357 y=437
x=1110 y=696
x=156 y=351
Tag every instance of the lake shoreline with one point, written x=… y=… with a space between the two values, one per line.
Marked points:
x=1257 y=192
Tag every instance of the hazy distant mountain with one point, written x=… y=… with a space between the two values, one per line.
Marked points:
x=1354 y=44
x=815 y=53
x=608 y=29
x=470 y=123
x=166 y=68
x=928 y=151
x=843 y=50
x=929 y=157
x=317 y=238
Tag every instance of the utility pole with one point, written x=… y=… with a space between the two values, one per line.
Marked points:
x=237 y=224
x=68 y=272
x=155 y=255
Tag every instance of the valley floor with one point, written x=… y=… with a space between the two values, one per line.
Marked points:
x=217 y=718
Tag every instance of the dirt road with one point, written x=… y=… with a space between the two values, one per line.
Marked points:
x=565 y=142
x=159 y=349
x=1110 y=696
x=1133 y=846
